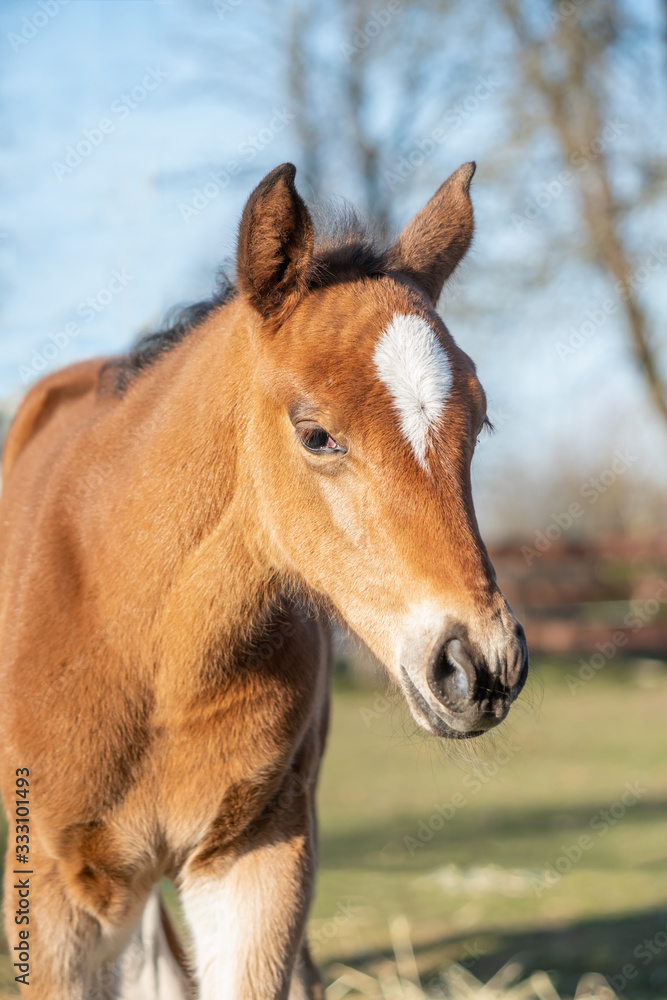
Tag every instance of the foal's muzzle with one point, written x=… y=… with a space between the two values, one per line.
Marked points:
x=467 y=693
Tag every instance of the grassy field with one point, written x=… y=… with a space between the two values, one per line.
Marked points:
x=547 y=843
x=499 y=870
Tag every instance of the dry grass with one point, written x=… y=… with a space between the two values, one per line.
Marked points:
x=399 y=980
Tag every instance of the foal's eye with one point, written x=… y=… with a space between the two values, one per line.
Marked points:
x=315 y=439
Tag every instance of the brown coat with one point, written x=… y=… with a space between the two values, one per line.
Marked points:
x=163 y=670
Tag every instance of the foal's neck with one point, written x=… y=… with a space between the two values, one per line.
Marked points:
x=206 y=572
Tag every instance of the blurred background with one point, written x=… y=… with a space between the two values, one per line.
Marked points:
x=132 y=133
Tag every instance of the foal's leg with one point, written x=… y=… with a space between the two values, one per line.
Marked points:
x=62 y=940
x=153 y=966
x=72 y=957
x=306 y=980
x=248 y=922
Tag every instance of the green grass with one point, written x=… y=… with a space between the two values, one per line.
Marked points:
x=474 y=891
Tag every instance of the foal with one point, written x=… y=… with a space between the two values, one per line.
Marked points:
x=167 y=519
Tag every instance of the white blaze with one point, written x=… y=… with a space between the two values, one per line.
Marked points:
x=412 y=363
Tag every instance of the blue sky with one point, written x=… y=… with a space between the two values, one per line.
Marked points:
x=96 y=245
x=115 y=208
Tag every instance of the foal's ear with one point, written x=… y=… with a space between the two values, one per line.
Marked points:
x=275 y=242
x=431 y=246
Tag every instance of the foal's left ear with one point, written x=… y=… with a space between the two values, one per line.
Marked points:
x=434 y=243
x=275 y=243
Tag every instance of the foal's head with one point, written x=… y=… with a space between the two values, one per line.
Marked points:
x=363 y=424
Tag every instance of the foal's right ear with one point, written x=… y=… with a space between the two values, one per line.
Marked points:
x=432 y=245
x=275 y=243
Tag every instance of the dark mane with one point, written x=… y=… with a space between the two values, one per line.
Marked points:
x=116 y=376
x=346 y=249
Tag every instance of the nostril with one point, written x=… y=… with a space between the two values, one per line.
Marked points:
x=458 y=659
x=451 y=675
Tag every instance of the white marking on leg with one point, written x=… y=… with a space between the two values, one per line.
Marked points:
x=413 y=365
x=217 y=914
x=148 y=968
x=247 y=924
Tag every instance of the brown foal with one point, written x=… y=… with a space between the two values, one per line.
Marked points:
x=171 y=521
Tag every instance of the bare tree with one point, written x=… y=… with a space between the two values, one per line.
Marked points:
x=370 y=82
x=572 y=69
x=362 y=96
